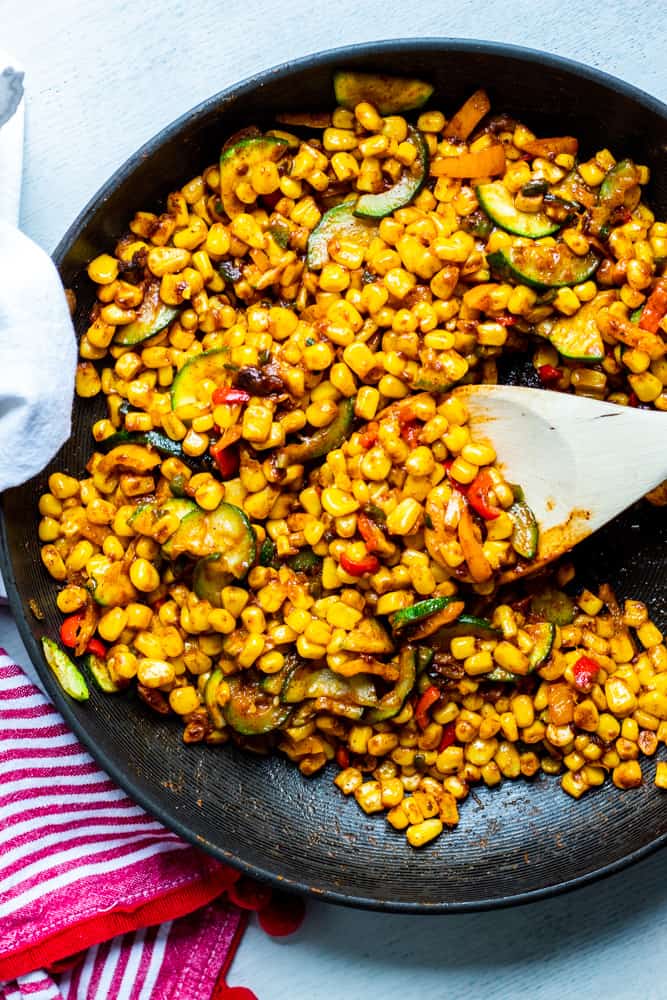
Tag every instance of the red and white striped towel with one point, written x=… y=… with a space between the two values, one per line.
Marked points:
x=81 y=864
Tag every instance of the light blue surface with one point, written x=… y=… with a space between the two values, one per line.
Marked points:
x=102 y=77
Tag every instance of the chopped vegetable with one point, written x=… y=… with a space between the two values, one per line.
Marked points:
x=68 y=676
x=487 y=162
x=391 y=95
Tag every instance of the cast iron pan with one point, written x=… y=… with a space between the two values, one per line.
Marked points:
x=514 y=844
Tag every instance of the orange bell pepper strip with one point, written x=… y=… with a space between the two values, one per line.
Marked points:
x=487 y=162
x=468 y=116
x=478 y=564
x=429 y=698
x=655 y=308
x=551 y=148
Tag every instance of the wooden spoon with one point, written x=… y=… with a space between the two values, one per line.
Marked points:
x=579 y=461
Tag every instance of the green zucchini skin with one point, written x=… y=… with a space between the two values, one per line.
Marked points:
x=181 y=507
x=66 y=673
x=391 y=95
x=338 y=221
x=577 y=337
x=154 y=439
x=498 y=203
x=525 y=533
x=100 y=673
x=322 y=441
x=392 y=703
x=543 y=267
x=307 y=682
x=251 y=711
x=407 y=187
x=554 y=606
x=153 y=316
x=417 y=612
x=481 y=628
x=224 y=532
x=208 y=365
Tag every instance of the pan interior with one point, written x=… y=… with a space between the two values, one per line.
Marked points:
x=516 y=842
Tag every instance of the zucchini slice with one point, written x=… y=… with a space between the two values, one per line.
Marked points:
x=305 y=561
x=181 y=507
x=225 y=532
x=417 y=612
x=392 y=703
x=236 y=161
x=101 y=675
x=525 y=531
x=431 y=380
x=152 y=317
x=211 y=698
x=481 y=628
x=391 y=95
x=368 y=637
x=338 y=221
x=154 y=439
x=553 y=606
x=322 y=441
x=376 y=206
x=251 y=711
x=578 y=337
x=321 y=682
x=208 y=365
x=66 y=673
x=543 y=267
x=619 y=180
x=209 y=577
x=498 y=204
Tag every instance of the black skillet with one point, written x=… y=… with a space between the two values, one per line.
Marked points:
x=514 y=844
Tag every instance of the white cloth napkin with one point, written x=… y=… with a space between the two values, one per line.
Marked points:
x=37 y=343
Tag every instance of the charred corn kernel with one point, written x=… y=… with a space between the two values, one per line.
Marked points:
x=478 y=663
x=510 y=658
x=508 y=760
x=348 y=780
x=112 y=623
x=48 y=530
x=646 y=386
x=620 y=699
x=53 y=563
x=661 y=774
x=369 y=796
x=382 y=744
x=574 y=783
x=627 y=774
x=419 y=834
x=220 y=620
x=655 y=703
x=522 y=709
x=462 y=647
x=404 y=518
x=589 y=603
x=649 y=635
x=103 y=269
x=252 y=649
x=144 y=575
x=71 y=599
x=337 y=502
x=63 y=487
x=184 y=700
x=566 y=301
x=155 y=673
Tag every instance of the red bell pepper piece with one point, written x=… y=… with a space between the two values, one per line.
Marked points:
x=343 y=757
x=354 y=567
x=505 y=319
x=633 y=399
x=429 y=698
x=548 y=374
x=368 y=437
x=448 y=736
x=584 y=673
x=97 y=648
x=230 y=396
x=226 y=459
x=655 y=307
x=478 y=496
x=69 y=630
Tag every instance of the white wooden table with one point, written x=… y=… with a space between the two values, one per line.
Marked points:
x=102 y=77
